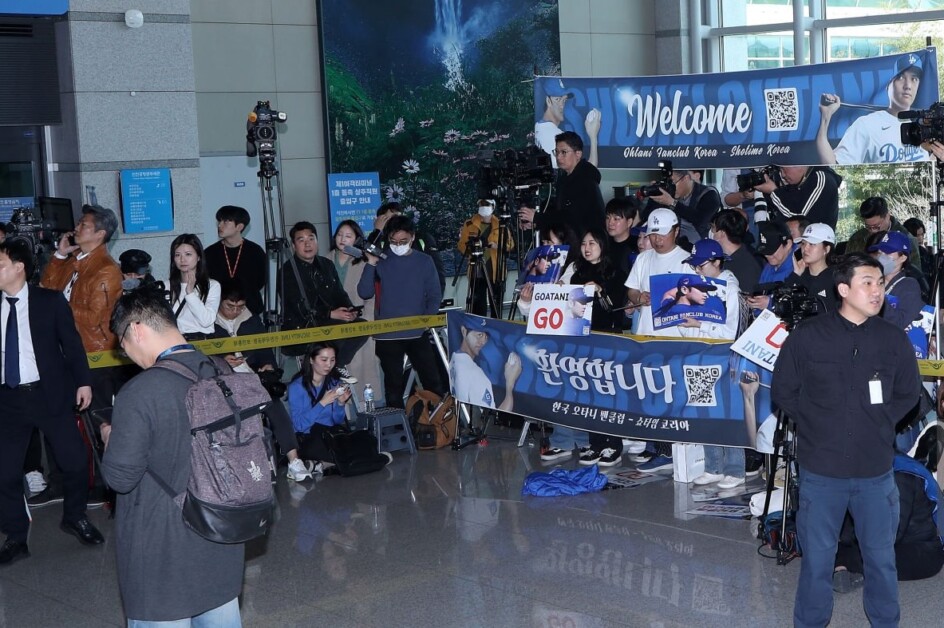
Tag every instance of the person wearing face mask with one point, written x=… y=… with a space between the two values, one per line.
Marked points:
x=812 y=269
x=408 y=285
x=903 y=301
x=486 y=227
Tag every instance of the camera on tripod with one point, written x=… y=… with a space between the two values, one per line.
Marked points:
x=513 y=170
x=664 y=182
x=475 y=246
x=261 y=134
x=757 y=176
x=928 y=125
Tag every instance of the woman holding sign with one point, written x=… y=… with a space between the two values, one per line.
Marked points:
x=594 y=269
x=724 y=465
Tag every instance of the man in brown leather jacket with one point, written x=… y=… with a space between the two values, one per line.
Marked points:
x=90 y=279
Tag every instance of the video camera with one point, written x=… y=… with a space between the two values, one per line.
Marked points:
x=928 y=125
x=261 y=134
x=25 y=225
x=513 y=170
x=663 y=183
x=757 y=176
x=791 y=304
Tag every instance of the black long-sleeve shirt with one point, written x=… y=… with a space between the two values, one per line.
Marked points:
x=249 y=266
x=821 y=380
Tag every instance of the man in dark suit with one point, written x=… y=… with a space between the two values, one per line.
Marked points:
x=44 y=373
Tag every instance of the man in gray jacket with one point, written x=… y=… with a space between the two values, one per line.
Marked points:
x=166 y=572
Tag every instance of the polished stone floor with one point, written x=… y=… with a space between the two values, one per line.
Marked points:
x=445 y=538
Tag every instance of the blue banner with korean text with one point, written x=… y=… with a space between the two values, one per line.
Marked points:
x=669 y=390
x=844 y=112
x=354 y=196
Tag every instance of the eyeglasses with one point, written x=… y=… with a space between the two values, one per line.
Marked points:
x=562 y=152
x=121 y=338
x=399 y=242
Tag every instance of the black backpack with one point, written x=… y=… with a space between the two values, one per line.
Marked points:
x=229 y=497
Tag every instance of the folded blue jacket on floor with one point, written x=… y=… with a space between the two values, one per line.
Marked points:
x=564 y=482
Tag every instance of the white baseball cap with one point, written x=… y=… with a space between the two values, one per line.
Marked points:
x=661 y=221
x=818 y=232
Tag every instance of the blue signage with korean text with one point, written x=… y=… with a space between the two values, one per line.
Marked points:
x=354 y=196
x=147 y=202
x=669 y=390
x=843 y=112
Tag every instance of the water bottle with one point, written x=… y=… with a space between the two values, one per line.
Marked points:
x=368 y=398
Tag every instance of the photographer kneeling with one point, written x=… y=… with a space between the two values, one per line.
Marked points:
x=234 y=319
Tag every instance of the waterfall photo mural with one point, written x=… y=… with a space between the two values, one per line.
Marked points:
x=417 y=90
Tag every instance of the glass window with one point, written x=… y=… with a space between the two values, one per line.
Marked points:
x=755 y=52
x=859 y=8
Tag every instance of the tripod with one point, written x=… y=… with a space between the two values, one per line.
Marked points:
x=479 y=275
x=784 y=447
x=273 y=219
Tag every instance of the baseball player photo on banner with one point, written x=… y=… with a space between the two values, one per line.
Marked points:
x=544 y=264
x=560 y=310
x=683 y=297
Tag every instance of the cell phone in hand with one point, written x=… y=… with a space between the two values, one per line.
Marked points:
x=798 y=255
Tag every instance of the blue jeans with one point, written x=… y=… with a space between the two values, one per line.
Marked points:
x=873 y=504
x=225 y=616
x=566 y=438
x=724 y=460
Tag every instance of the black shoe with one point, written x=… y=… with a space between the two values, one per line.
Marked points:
x=344 y=375
x=84 y=531
x=13 y=551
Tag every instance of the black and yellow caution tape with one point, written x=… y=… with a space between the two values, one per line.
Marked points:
x=327 y=333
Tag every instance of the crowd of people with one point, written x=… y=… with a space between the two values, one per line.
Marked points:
x=723 y=244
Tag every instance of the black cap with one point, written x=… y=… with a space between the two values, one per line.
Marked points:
x=135 y=261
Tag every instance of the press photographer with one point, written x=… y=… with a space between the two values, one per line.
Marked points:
x=479 y=241
x=682 y=191
x=579 y=202
x=808 y=191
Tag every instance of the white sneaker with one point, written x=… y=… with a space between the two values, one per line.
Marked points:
x=633 y=447
x=729 y=481
x=707 y=478
x=556 y=453
x=300 y=470
x=36 y=482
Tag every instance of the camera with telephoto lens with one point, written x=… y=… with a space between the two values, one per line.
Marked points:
x=261 y=134
x=750 y=180
x=663 y=183
x=792 y=304
x=513 y=171
x=927 y=125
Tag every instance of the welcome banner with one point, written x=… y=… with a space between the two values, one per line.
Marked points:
x=743 y=119
x=679 y=391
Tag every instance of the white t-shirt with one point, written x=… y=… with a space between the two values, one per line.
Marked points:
x=651 y=263
x=469 y=382
x=876 y=139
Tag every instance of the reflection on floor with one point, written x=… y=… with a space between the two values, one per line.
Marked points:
x=444 y=538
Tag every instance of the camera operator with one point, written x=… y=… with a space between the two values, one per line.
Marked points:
x=812 y=270
x=579 y=200
x=693 y=202
x=483 y=232
x=846 y=378
x=809 y=191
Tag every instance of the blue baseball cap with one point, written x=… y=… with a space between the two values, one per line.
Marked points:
x=555 y=87
x=893 y=242
x=697 y=283
x=910 y=61
x=704 y=251
x=578 y=295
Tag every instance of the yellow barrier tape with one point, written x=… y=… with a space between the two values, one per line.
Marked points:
x=101 y=359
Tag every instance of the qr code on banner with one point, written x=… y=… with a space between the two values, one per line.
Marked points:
x=783 y=110
x=700 y=385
